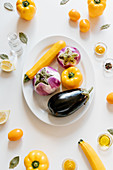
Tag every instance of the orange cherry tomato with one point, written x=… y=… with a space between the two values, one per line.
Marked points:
x=74 y=15
x=110 y=98
x=84 y=25
x=15 y=134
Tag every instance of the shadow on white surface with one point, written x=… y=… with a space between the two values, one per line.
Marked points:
x=85 y=35
x=3 y=126
x=110 y=107
x=23 y=25
x=14 y=144
x=6 y=74
x=106 y=153
x=73 y=24
x=93 y=23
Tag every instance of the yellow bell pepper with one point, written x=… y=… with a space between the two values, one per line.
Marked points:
x=26 y=9
x=96 y=7
x=72 y=78
x=36 y=160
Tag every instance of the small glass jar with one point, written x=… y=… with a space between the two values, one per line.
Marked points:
x=108 y=65
x=69 y=164
x=105 y=141
x=15 y=44
x=100 y=48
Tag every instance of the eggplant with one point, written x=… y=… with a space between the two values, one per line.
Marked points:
x=67 y=102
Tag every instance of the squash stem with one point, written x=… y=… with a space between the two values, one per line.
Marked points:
x=81 y=140
x=26 y=78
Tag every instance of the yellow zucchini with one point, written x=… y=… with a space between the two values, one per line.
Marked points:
x=45 y=60
x=91 y=155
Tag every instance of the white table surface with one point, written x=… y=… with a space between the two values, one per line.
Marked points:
x=57 y=142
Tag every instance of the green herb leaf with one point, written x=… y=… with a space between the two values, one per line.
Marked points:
x=63 y=2
x=14 y=162
x=105 y=26
x=4 y=56
x=110 y=131
x=23 y=37
x=8 y=6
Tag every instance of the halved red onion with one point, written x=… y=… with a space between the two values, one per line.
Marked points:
x=46 y=81
x=68 y=57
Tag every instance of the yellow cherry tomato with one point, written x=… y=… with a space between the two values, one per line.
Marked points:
x=84 y=25
x=110 y=98
x=72 y=78
x=15 y=134
x=36 y=160
x=74 y=15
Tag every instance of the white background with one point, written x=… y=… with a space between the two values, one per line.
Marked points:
x=57 y=142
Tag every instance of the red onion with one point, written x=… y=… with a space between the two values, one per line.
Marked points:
x=46 y=81
x=68 y=57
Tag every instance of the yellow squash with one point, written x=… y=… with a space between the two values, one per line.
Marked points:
x=45 y=60
x=92 y=156
x=26 y=9
x=96 y=7
x=36 y=160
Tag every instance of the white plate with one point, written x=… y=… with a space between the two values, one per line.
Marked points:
x=37 y=103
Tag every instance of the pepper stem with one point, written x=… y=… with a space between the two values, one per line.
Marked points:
x=97 y=1
x=35 y=164
x=71 y=75
x=89 y=91
x=25 y=3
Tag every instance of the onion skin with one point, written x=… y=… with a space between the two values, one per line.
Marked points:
x=53 y=82
x=69 y=64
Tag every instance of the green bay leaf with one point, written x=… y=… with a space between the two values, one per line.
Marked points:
x=8 y=6
x=14 y=162
x=110 y=131
x=63 y=2
x=105 y=26
x=23 y=37
x=4 y=56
